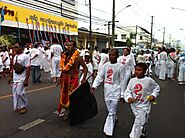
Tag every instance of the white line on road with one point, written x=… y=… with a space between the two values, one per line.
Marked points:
x=31 y=124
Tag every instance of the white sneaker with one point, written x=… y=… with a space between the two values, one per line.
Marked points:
x=180 y=83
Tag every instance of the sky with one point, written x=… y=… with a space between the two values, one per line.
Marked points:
x=140 y=12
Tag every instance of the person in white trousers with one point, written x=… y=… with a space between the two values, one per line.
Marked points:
x=20 y=81
x=112 y=74
x=140 y=92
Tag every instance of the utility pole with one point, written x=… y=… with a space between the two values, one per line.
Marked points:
x=163 y=36
x=170 y=40
x=109 y=34
x=90 y=26
x=136 y=37
x=151 y=36
x=113 y=22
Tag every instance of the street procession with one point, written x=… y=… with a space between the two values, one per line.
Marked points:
x=61 y=79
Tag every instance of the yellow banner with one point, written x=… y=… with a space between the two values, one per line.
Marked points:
x=50 y=22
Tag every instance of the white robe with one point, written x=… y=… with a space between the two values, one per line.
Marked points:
x=96 y=59
x=181 y=76
x=18 y=89
x=113 y=77
x=139 y=89
x=171 y=65
x=162 y=65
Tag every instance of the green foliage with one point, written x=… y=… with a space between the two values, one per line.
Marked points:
x=129 y=42
x=7 y=40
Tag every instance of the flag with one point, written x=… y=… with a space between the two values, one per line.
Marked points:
x=2 y=14
x=83 y=105
x=2 y=18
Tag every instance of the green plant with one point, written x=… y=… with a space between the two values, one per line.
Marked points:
x=7 y=40
x=129 y=42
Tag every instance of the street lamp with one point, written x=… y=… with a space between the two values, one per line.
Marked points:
x=113 y=19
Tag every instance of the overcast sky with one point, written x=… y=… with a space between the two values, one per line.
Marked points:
x=140 y=13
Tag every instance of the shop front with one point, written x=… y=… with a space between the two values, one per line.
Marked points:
x=30 y=26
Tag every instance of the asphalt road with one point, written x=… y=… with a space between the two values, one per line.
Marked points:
x=167 y=119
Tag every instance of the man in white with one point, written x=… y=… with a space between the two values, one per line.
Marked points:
x=148 y=61
x=35 y=64
x=56 y=51
x=20 y=81
x=127 y=61
x=6 y=60
x=112 y=74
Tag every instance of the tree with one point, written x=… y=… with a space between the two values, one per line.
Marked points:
x=7 y=40
x=129 y=42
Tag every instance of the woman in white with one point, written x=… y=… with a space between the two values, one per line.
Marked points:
x=162 y=64
x=112 y=74
x=127 y=61
x=181 y=76
x=171 y=64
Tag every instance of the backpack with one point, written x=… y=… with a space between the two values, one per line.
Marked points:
x=18 y=67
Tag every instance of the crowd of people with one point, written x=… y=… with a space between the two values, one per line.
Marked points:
x=125 y=78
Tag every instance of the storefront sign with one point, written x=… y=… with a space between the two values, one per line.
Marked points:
x=24 y=15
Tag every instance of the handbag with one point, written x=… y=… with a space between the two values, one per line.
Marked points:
x=18 y=67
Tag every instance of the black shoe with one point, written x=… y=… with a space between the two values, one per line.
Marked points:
x=39 y=81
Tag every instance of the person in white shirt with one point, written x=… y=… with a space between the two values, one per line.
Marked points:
x=1 y=63
x=35 y=64
x=140 y=93
x=181 y=75
x=96 y=60
x=171 y=64
x=148 y=61
x=27 y=49
x=156 y=62
x=140 y=57
x=90 y=69
x=56 y=51
x=103 y=58
x=127 y=61
x=20 y=81
x=162 y=64
x=112 y=74
x=6 y=60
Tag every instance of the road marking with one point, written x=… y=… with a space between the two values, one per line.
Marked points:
x=31 y=124
x=29 y=91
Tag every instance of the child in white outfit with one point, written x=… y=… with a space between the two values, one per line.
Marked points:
x=140 y=92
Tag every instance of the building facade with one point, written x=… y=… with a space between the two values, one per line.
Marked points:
x=36 y=20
